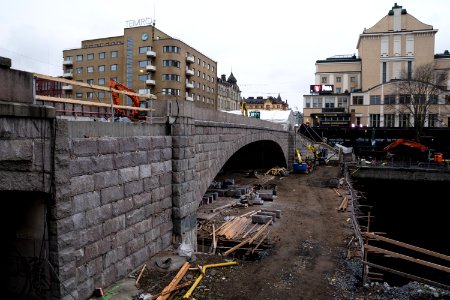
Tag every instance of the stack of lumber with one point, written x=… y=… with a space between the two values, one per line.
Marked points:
x=235 y=226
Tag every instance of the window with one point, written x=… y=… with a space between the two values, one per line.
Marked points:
x=143 y=50
x=90 y=81
x=172 y=63
x=433 y=99
x=90 y=56
x=342 y=102
x=317 y=102
x=79 y=95
x=101 y=81
x=79 y=57
x=389 y=99
x=171 y=49
x=324 y=80
x=374 y=120
x=432 y=120
x=375 y=100
x=403 y=120
x=79 y=70
x=171 y=77
x=114 y=54
x=90 y=69
x=69 y=58
x=143 y=63
x=420 y=98
x=409 y=70
x=102 y=55
x=389 y=120
x=358 y=100
x=143 y=77
x=329 y=102
x=90 y=95
x=101 y=68
x=353 y=79
x=101 y=95
x=338 y=90
x=404 y=99
x=113 y=67
x=174 y=92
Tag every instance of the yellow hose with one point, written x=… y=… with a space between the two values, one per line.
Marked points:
x=200 y=277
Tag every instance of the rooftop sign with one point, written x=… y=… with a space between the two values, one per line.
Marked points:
x=139 y=22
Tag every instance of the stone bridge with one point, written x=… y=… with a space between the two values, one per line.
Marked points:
x=86 y=202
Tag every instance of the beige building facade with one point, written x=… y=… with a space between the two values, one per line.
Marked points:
x=363 y=89
x=145 y=60
x=228 y=93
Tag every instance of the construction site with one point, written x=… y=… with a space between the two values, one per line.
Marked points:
x=270 y=233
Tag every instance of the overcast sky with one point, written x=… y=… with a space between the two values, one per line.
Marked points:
x=270 y=46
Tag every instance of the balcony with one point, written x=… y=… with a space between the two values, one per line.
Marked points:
x=67 y=62
x=151 y=54
x=190 y=72
x=190 y=59
x=150 y=68
x=150 y=82
x=189 y=85
x=67 y=87
x=189 y=98
x=68 y=74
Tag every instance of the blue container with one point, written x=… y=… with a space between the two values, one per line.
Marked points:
x=299 y=167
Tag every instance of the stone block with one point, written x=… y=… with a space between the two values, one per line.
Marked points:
x=276 y=211
x=267 y=213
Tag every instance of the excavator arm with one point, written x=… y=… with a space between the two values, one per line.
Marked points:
x=409 y=143
x=118 y=86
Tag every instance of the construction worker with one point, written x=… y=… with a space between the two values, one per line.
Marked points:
x=244 y=108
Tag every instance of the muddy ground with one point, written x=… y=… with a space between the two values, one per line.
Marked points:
x=305 y=255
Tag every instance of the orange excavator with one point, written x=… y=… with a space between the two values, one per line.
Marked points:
x=408 y=143
x=115 y=95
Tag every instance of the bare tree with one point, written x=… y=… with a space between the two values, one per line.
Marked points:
x=418 y=91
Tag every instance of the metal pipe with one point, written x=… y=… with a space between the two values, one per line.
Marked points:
x=200 y=277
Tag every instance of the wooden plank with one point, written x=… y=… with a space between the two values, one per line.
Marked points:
x=140 y=274
x=254 y=237
x=90 y=103
x=178 y=287
x=407 y=275
x=93 y=86
x=172 y=285
x=214 y=242
x=250 y=230
x=408 y=258
x=263 y=238
x=405 y=245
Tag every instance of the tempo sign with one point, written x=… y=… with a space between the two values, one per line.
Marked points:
x=139 y=22
x=321 y=88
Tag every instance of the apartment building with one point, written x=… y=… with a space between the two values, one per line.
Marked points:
x=228 y=93
x=146 y=60
x=269 y=103
x=363 y=89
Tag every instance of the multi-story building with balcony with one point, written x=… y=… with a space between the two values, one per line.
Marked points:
x=145 y=60
x=363 y=89
x=228 y=93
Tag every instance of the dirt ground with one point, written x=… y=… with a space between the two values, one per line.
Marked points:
x=305 y=254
